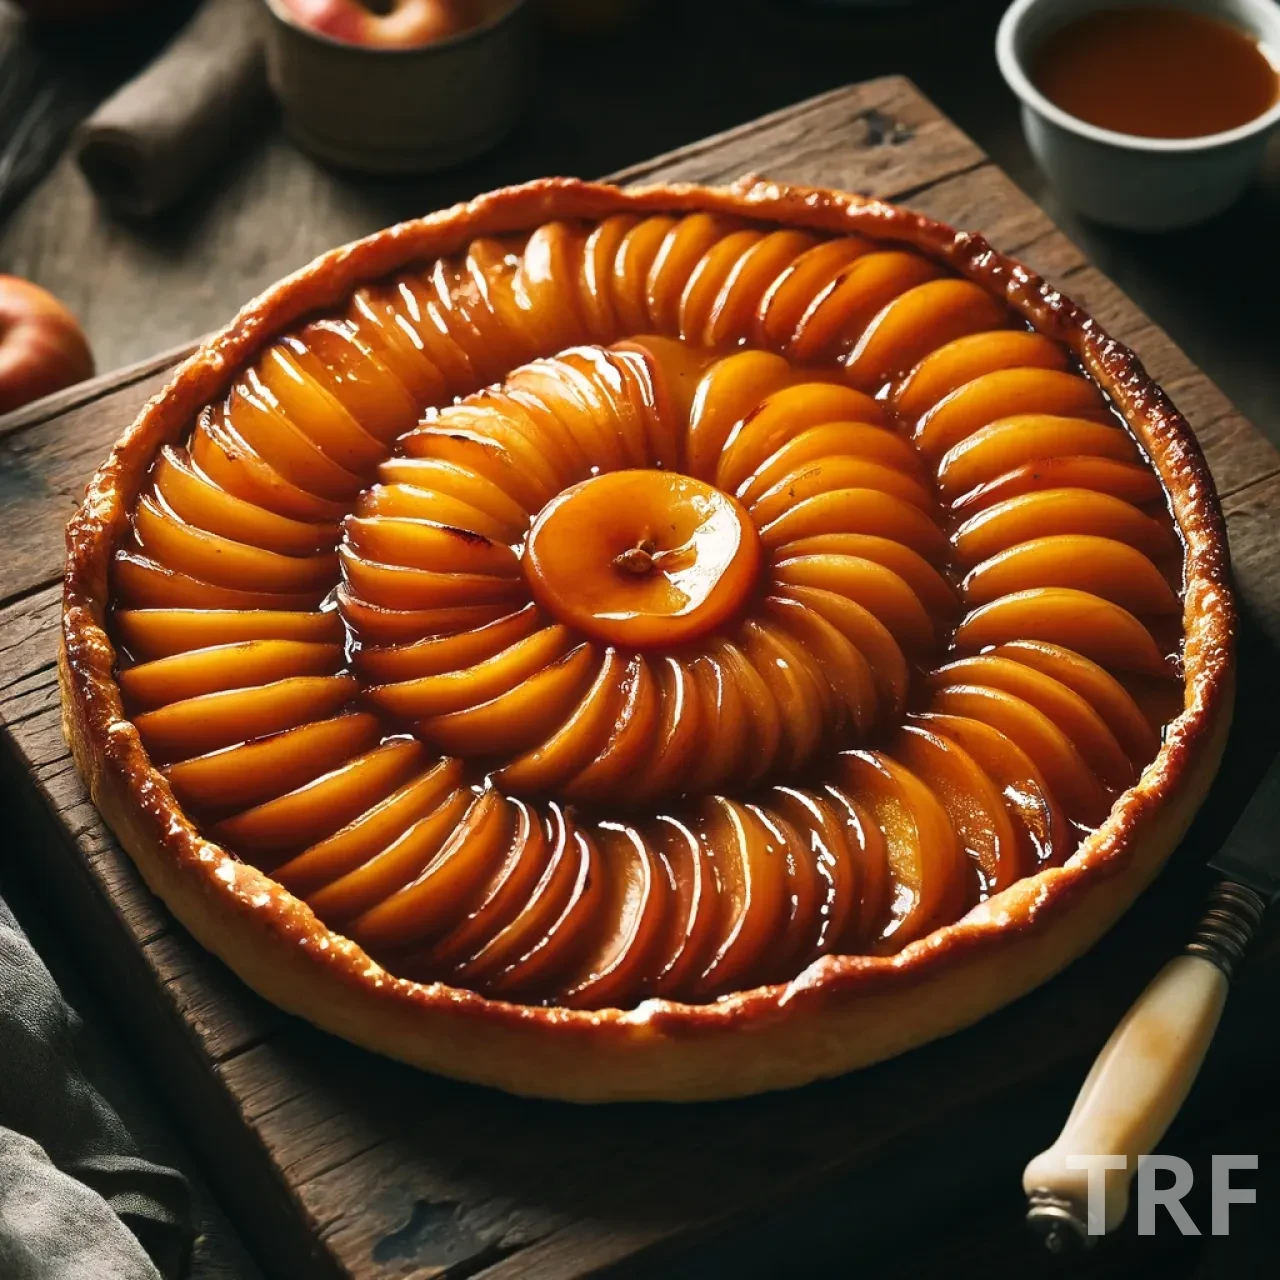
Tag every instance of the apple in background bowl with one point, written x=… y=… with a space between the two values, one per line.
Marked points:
x=393 y=24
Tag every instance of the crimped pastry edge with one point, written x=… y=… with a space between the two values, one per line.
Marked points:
x=842 y=1012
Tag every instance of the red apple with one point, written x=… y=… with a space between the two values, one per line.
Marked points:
x=404 y=24
x=42 y=347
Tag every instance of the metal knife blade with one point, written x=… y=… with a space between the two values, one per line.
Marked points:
x=1251 y=855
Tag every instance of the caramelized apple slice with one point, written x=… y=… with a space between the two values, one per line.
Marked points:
x=764 y=718
x=1030 y=437
x=1107 y=568
x=421 y=544
x=595 y=294
x=542 y=966
x=448 y=480
x=1038 y=822
x=1059 y=511
x=925 y=861
x=800 y=691
x=488 y=457
x=398 y=346
x=674 y=372
x=836 y=318
x=731 y=389
x=507 y=891
x=418 y=310
x=868 y=847
x=840 y=661
x=972 y=803
x=1128 y=480
x=210 y=721
x=1102 y=691
x=436 y=899
x=1003 y=394
x=949 y=367
x=564 y=406
x=868 y=634
x=428 y=696
x=723 y=726
x=224 y=563
x=681 y=250
x=230 y=463
x=629 y=740
x=785 y=414
x=688 y=931
x=704 y=283
x=869 y=584
x=376 y=829
x=317 y=413
x=395 y=587
x=546 y=281
x=827 y=474
x=1083 y=797
x=930 y=587
x=846 y=439
x=143 y=583
x=225 y=666
x=1066 y=708
x=375 y=625
x=436 y=655
x=258 y=770
x=470 y=419
x=633 y=903
x=518 y=718
x=253 y=414
x=917 y=323
x=814 y=273
x=631 y=267
x=566 y=867
x=731 y=316
x=574 y=740
x=198 y=502
x=322 y=806
x=751 y=881
x=859 y=511
x=833 y=860
x=678 y=733
x=412 y=851
x=408 y=502
x=1096 y=628
x=798 y=936
x=160 y=633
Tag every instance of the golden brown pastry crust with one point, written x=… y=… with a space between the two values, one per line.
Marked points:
x=843 y=1011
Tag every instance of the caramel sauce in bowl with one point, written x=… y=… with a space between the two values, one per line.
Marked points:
x=1147 y=115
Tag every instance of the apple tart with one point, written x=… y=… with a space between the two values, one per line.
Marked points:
x=668 y=643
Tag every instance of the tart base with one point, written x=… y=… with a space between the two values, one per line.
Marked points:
x=843 y=1012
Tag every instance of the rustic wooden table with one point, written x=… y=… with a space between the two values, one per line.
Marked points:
x=689 y=71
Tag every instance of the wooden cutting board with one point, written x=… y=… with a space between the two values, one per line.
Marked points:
x=336 y=1163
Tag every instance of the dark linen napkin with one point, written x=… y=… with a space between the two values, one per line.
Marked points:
x=77 y=1202
x=149 y=143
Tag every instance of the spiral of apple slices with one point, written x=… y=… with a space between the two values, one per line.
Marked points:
x=949 y=642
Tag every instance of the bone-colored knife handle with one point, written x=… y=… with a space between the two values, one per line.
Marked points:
x=1141 y=1077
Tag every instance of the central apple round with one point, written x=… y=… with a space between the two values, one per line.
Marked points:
x=642 y=558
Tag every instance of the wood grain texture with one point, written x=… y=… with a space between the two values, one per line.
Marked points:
x=338 y=1163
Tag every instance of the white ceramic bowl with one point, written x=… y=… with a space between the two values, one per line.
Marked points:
x=1142 y=184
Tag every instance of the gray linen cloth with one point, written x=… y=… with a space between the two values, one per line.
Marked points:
x=148 y=144
x=77 y=1202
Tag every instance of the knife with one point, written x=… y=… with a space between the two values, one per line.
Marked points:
x=1145 y=1070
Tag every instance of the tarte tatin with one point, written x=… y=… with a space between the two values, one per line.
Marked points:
x=651 y=644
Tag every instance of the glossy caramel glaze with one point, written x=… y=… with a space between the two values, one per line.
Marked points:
x=778 y=596
x=1157 y=72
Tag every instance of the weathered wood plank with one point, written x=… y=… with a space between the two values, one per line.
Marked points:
x=340 y=1163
